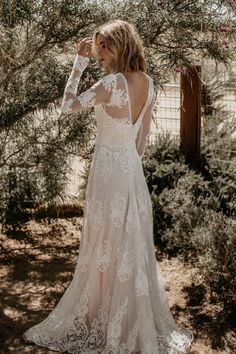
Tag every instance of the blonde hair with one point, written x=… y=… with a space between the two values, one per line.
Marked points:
x=125 y=45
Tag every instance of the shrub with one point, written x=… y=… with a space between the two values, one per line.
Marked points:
x=192 y=213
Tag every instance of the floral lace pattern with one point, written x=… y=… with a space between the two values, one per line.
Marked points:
x=178 y=340
x=141 y=284
x=102 y=335
x=124 y=120
x=104 y=255
x=103 y=163
x=125 y=266
x=87 y=99
x=118 y=209
x=127 y=164
x=79 y=65
x=105 y=159
x=79 y=338
x=114 y=327
x=142 y=203
x=109 y=82
x=129 y=224
x=95 y=214
x=84 y=256
x=118 y=98
x=132 y=337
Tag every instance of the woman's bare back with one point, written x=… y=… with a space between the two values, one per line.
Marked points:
x=138 y=86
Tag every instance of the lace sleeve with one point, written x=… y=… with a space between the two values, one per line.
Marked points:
x=99 y=93
x=144 y=129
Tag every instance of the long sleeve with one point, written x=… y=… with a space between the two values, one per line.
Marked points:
x=144 y=129
x=99 y=93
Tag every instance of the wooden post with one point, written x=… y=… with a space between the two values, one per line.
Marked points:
x=190 y=111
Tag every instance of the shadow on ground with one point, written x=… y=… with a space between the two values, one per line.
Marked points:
x=37 y=265
x=209 y=321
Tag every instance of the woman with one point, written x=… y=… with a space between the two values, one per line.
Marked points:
x=116 y=301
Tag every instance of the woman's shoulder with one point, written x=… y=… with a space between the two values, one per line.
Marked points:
x=110 y=80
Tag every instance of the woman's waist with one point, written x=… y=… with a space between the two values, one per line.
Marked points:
x=115 y=144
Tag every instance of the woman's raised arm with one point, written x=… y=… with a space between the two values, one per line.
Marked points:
x=99 y=93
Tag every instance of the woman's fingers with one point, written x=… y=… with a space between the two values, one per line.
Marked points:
x=84 y=46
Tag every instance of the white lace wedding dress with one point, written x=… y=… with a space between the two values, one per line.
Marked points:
x=116 y=302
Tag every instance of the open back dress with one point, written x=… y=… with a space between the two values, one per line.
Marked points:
x=116 y=303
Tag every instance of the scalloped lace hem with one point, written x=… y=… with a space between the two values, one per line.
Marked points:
x=179 y=342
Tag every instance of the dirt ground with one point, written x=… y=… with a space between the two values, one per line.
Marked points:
x=37 y=265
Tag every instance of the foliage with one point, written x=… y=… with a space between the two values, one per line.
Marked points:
x=179 y=33
x=215 y=242
x=218 y=135
x=194 y=213
x=35 y=60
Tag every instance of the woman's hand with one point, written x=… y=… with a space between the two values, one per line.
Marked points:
x=84 y=47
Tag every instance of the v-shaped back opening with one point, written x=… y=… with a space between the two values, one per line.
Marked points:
x=143 y=109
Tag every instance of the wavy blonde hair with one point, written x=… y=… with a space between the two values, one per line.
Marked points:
x=124 y=43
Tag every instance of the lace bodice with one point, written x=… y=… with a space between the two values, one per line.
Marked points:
x=110 y=97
